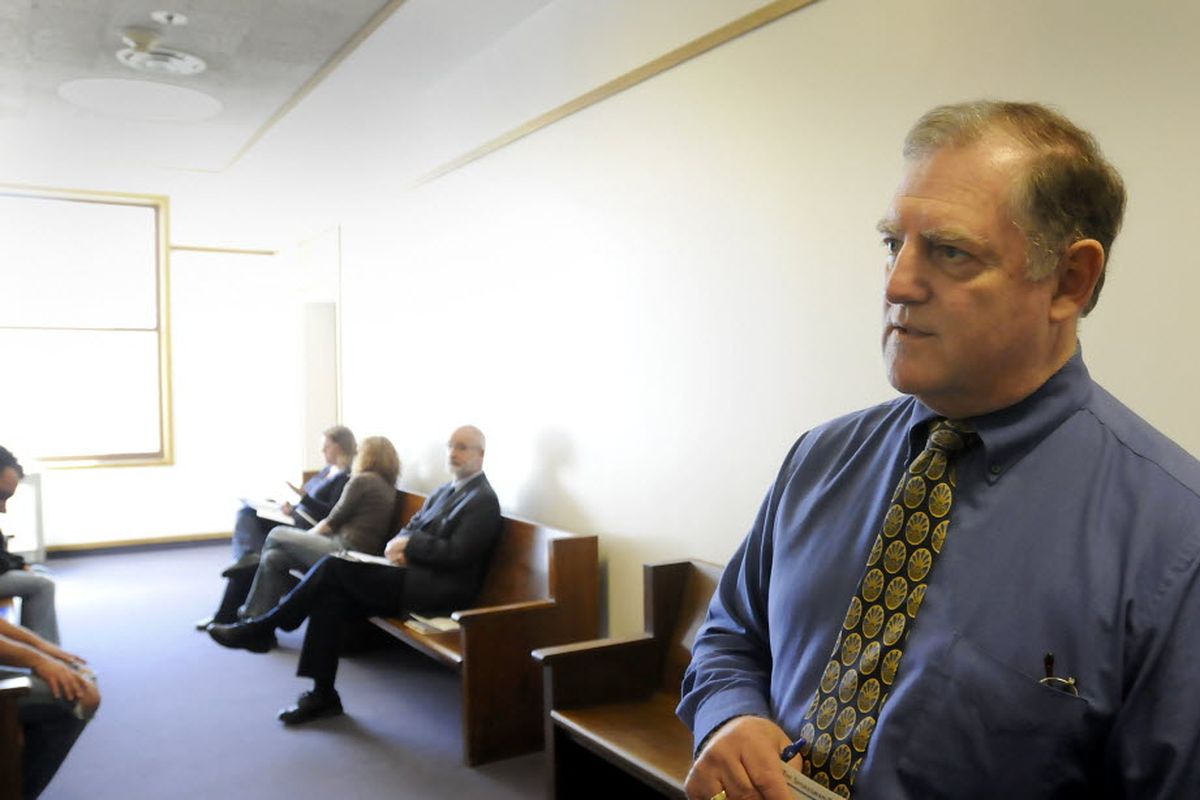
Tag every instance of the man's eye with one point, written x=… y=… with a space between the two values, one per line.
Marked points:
x=891 y=244
x=948 y=252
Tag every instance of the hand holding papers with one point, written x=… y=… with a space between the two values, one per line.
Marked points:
x=270 y=509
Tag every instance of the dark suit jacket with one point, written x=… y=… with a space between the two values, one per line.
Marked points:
x=451 y=541
x=321 y=494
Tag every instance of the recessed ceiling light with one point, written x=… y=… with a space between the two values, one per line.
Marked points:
x=140 y=100
x=168 y=18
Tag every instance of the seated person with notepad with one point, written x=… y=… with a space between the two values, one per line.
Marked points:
x=257 y=518
x=318 y=496
x=360 y=521
x=437 y=563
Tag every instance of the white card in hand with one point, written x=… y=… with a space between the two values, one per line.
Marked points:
x=806 y=788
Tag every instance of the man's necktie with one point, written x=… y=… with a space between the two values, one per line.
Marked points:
x=839 y=722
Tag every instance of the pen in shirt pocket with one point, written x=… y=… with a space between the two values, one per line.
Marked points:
x=1062 y=684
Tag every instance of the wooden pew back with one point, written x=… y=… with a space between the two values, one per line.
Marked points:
x=519 y=569
x=523 y=566
x=611 y=724
x=693 y=597
x=541 y=588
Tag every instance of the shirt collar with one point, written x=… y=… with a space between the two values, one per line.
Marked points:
x=458 y=484
x=1010 y=433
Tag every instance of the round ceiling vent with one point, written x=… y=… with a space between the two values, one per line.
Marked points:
x=161 y=60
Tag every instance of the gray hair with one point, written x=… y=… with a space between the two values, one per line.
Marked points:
x=1069 y=191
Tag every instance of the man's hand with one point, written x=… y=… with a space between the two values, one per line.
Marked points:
x=65 y=683
x=287 y=508
x=57 y=652
x=395 y=549
x=742 y=759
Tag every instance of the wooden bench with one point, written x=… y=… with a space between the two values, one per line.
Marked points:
x=10 y=724
x=610 y=721
x=542 y=587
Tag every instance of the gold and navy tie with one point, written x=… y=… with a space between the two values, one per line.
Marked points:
x=867 y=653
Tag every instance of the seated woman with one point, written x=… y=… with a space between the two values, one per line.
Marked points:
x=360 y=521
x=318 y=496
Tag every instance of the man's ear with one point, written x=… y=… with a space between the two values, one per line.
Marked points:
x=1079 y=270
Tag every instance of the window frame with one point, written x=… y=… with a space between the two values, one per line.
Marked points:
x=161 y=207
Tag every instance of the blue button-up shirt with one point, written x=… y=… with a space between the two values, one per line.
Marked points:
x=1075 y=530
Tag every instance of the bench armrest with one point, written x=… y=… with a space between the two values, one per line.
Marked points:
x=15 y=686
x=592 y=648
x=601 y=670
x=470 y=615
x=502 y=636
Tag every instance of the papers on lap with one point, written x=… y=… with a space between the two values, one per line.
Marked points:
x=430 y=624
x=364 y=558
x=270 y=509
x=806 y=788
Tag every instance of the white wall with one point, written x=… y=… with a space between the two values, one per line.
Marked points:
x=648 y=301
x=645 y=303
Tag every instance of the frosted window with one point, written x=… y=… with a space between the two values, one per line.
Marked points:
x=73 y=264
x=81 y=329
x=84 y=393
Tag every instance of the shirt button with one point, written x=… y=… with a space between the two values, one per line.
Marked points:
x=995 y=469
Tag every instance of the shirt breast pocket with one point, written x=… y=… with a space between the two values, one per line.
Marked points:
x=988 y=730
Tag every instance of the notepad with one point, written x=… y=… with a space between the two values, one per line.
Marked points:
x=364 y=558
x=270 y=509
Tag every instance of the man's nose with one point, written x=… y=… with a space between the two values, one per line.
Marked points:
x=905 y=280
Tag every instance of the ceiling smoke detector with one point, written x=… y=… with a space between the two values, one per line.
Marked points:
x=141 y=52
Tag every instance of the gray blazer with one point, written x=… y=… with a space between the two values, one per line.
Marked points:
x=363 y=513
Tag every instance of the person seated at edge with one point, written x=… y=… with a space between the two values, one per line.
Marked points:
x=63 y=695
x=318 y=496
x=437 y=564
x=360 y=521
x=35 y=589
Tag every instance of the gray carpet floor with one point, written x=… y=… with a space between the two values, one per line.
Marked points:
x=184 y=718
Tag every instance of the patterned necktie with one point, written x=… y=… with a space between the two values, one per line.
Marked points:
x=867 y=653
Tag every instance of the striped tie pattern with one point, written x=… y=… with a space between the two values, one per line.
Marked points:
x=839 y=722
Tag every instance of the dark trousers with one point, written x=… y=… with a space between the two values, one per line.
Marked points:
x=51 y=728
x=333 y=593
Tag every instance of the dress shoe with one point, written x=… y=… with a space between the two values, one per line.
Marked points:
x=202 y=624
x=256 y=637
x=247 y=563
x=310 y=706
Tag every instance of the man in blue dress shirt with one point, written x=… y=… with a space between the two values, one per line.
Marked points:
x=1076 y=525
